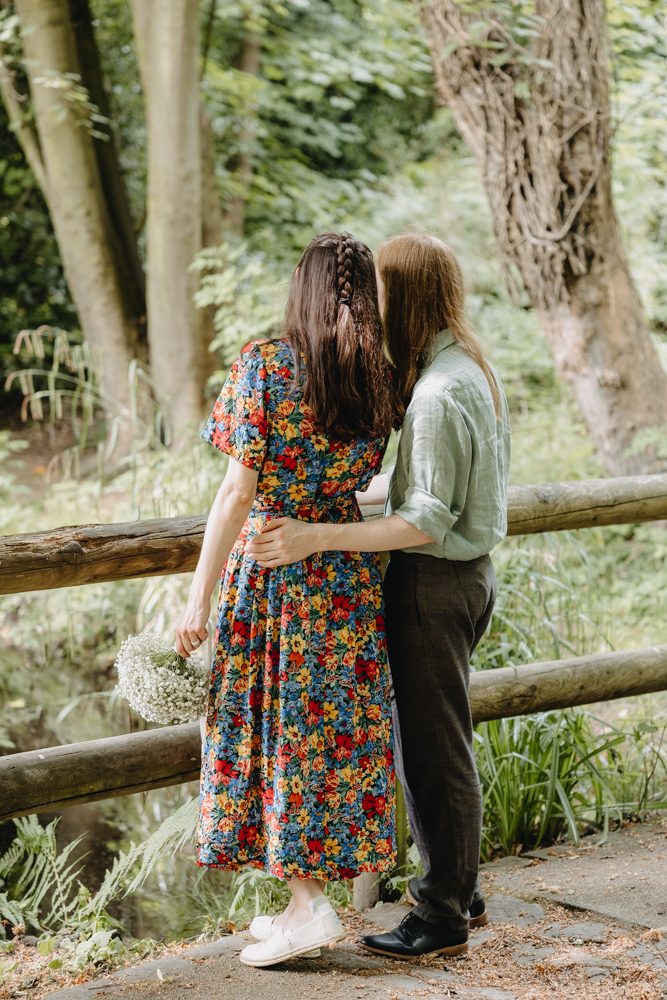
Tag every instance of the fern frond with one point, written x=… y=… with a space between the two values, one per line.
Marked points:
x=116 y=878
x=41 y=870
x=10 y=910
x=11 y=858
x=173 y=834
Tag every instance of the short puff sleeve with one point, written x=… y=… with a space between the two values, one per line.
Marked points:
x=238 y=423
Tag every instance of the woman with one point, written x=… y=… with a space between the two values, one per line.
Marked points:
x=297 y=772
x=446 y=510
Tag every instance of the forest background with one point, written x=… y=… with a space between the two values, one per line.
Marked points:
x=320 y=114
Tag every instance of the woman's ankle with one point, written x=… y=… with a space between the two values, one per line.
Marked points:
x=280 y=918
x=299 y=916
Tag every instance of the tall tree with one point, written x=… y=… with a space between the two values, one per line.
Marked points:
x=240 y=165
x=64 y=158
x=531 y=98
x=212 y=234
x=167 y=33
x=107 y=157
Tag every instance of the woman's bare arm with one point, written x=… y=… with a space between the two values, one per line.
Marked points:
x=285 y=540
x=228 y=513
x=376 y=492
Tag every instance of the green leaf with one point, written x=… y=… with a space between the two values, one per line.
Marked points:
x=45 y=946
x=449 y=49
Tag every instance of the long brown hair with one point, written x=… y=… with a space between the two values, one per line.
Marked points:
x=424 y=294
x=333 y=320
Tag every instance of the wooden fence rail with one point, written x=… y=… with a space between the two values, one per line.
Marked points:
x=42 y=780
x=69 y=557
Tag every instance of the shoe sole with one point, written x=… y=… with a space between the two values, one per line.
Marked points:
x=456 y=949
x=296 y=953
x=315 y=953
x=474 y=922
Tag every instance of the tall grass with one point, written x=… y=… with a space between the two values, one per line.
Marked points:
x=541 y=777
x=547 y=605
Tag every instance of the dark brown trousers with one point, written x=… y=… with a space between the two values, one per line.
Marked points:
x=436 y=612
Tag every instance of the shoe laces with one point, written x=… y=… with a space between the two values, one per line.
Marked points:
x=410 y=925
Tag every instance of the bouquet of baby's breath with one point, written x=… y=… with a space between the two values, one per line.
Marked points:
x=159 y=683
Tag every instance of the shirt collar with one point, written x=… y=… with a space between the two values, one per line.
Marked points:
x=442 y=340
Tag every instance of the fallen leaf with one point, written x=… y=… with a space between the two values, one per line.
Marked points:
x=654 y=934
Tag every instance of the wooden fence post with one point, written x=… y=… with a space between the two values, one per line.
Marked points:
x=366 y=890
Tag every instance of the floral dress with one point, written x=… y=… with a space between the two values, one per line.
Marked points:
x=297 y=772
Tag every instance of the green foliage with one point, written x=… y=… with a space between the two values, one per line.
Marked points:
x=557 y=773
x=38 y=883
x=654 y=438
x=637 y=774
x=342 y=98
x=541 y=776
x=541 y=613
x=248 y=298
x=33 y=868
x=32 y=285
x=10 y=491
x=76 y=103
x=639 y=47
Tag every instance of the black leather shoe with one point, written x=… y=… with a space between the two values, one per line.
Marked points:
x=478 y=914
x=414 y=937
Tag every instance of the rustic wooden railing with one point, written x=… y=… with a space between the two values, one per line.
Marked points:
x=69 y=557
x=83 y=772
x=41 y=780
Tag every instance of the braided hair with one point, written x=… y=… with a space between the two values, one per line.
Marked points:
x=345 y=252
x=333 y=323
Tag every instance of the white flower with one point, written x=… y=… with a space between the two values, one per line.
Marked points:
x=159 y=683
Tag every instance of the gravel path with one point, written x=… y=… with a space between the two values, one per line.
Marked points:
x=579 y=923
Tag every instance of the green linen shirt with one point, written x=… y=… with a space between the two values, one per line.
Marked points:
x=452 y=468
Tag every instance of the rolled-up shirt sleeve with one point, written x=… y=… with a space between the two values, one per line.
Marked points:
x=440 y=456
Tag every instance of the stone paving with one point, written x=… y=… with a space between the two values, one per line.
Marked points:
x=564 y=923
x=624 y=879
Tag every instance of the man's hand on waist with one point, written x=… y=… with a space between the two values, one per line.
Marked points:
x=284 y=541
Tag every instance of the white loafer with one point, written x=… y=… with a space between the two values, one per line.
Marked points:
x=322 y=930
x=262 y=928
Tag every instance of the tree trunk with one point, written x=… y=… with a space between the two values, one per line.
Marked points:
x=241 y=164
x=211 y=236
x=91 y=254
x=107 y=159
x=167 y=34
x=540 y=134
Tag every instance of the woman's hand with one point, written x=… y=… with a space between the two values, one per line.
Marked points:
x=191 y=630
x=228 y=513
x=284 y=541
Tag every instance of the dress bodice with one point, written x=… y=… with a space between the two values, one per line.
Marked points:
x=262 y=421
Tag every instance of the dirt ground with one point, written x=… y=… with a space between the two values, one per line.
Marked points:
x=567 y=922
